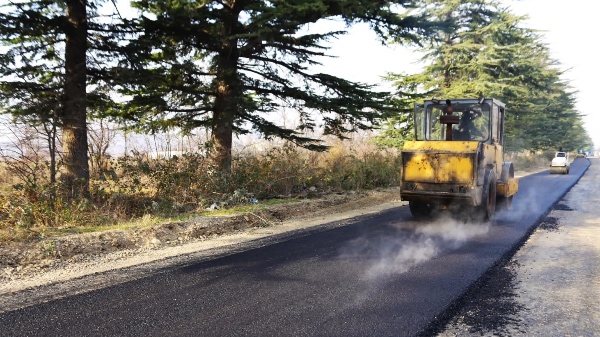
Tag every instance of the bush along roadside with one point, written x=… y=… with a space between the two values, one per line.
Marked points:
x=136 y=188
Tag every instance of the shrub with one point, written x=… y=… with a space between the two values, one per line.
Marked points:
x=137 y=186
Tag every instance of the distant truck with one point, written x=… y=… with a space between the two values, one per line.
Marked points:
x=560 y=163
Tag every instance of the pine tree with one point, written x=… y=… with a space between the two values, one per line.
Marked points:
x=50 y=63
x=483 y=50
x=229 y=65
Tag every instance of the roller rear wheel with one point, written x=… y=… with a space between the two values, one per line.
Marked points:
x=420 y=209
x=487 y=209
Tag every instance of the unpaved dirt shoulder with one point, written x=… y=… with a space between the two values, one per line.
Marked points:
x=558 y=278
x=62 y=266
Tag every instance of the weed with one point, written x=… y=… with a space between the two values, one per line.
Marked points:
x=142 y=191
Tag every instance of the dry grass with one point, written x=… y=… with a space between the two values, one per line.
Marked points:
x=139 y=191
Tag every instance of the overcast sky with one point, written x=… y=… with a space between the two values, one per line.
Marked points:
x=570 y=30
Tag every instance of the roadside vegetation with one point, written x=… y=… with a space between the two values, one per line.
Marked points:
x=229 y=69
x=139 y=190
x=143 y=190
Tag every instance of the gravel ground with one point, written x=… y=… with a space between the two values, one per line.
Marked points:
x=551 y=286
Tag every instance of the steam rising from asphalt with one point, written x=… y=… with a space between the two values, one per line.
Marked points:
x=401 y=260
x=423 y=242
x=398 y=250
x=525 y=203
x=412 y=244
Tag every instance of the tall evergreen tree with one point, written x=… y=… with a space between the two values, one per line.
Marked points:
x=229 y=65
x=74 y=129
x=485 y=51
x=45 y=72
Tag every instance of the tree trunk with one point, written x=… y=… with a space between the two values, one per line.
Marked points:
x=74 y=136
x=446 y=58
x=222 y=130
x=226 y=101
x=51 y=134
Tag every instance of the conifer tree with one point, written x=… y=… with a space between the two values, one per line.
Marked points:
x=50 y=61
x=229 y=65
x=484 y=50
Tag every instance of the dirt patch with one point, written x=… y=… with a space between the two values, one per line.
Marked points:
x=549 y=223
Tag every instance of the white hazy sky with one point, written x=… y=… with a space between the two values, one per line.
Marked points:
x=568 y=27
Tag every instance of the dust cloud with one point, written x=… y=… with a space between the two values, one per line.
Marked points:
x=412 y=245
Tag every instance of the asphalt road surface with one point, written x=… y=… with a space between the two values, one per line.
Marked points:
x=381 y=275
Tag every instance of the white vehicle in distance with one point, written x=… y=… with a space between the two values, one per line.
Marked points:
x=560 y=163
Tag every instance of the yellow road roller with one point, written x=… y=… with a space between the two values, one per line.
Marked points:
x=456 y=160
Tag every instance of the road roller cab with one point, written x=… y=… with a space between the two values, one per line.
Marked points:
x=456 y=159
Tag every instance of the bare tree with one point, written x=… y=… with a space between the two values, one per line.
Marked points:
x=25 y=154
x=101 y=136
